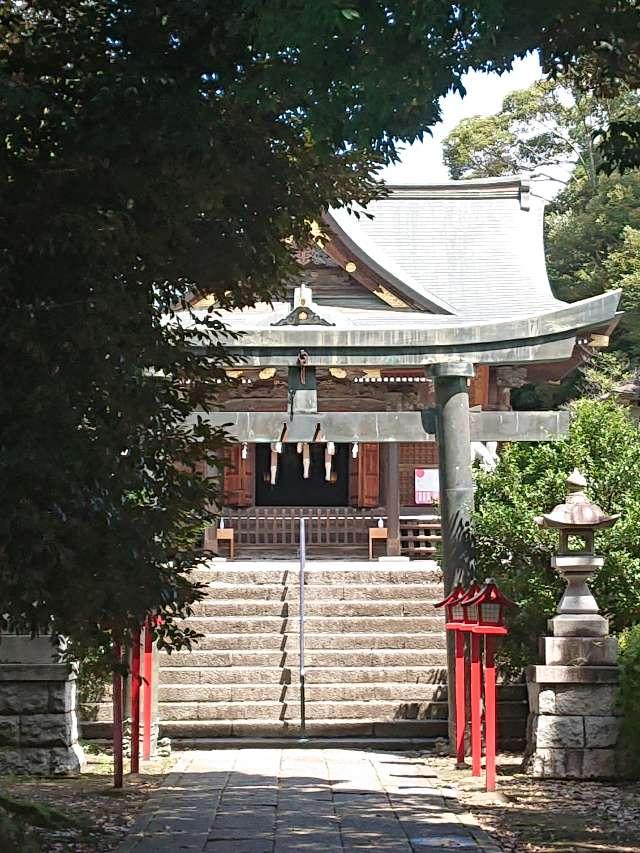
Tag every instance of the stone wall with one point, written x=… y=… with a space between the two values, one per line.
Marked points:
x=575 y=722
x=38 y=729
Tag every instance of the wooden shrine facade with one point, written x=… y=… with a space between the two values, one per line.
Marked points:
x=415 y=319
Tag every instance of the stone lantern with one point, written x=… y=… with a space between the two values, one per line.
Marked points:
x=574 y=717
x=577 y=519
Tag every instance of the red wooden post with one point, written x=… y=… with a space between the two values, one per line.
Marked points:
x=135 y=702
x=476 y=706
x=490 y=604
x=148 y=689
x=461 y=716
x=117 y=720
x=455 y=621
x=490 y=710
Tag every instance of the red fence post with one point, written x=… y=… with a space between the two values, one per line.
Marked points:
x=455 y=621
x=117 y=719
x=135 y=702
x=148 y=689
x=490 y=604
x=476 y=706
x=490 y=710
x=461 y=710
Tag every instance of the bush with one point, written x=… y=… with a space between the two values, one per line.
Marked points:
x=604 y=443
x=629 y=694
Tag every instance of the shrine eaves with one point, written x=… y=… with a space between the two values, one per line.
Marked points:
x=452 y=271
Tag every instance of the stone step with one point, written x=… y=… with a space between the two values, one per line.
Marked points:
x=512 y=698
x=277 y=657
x=315 y=692
x=288 y=641
x=315 y=675
x=383 y=709
x=323 y=592
x=340 y=734
x=283 y=609
x=216 y=625
x=378 y=744
x=194 y=676
x=251 y=573
x=315 y=727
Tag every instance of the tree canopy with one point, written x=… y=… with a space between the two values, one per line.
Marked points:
x=549 y=125
x=593 y=225
x=156 y=150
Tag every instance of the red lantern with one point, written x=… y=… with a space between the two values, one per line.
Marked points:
x=457 y=620
x=489 y=605
x=469 y=608
x=454 y=614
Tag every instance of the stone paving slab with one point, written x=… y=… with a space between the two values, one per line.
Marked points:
x=304 y=801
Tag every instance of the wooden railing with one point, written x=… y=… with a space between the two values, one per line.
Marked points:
x=330 y=526
x=281 y=525
x=420 y=535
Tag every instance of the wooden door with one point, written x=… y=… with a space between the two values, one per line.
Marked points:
x=239 y=476
x=369 y=475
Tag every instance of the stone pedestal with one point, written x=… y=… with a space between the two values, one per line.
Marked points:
x=38 y=723
x=574 y=722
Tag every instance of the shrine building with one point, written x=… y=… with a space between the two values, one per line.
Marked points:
x=443 y=274
x=358 y=404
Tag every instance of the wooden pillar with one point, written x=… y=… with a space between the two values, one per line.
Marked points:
x=392 y=497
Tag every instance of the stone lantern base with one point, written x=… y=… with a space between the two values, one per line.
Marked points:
x=574 y=720
x=38 y=724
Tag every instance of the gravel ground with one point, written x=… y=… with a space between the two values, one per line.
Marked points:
x=96 y=815
x=533 y=816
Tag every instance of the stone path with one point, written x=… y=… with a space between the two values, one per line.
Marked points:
x=303 y=801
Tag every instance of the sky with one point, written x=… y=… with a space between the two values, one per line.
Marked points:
x=421 y=162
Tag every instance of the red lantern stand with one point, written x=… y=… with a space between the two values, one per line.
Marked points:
x=135 y=700
x=454 y=617
x=141 y=671
x=488 y=606
x=148 y=688
x=118 y=762
x=470 y=616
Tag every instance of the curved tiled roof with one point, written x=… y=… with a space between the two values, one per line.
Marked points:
x=473 y=249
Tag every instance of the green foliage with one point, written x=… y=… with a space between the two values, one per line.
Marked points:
x=592 y=243
x=604 y=443
x=14 y=836
x=38 y=814
x=536 y=127
x=629 y=693
x=94 y=675
x=549 y=124
x=153 y=151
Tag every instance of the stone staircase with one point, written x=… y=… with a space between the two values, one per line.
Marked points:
x=375 y=653
x=375 y=659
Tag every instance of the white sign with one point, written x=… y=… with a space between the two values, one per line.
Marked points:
x=427 y=485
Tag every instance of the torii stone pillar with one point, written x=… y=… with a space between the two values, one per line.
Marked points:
x=456 y=492
x=456 y=481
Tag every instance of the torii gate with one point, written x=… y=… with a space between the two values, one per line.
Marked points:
x=450 y=423
x=459 y=269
